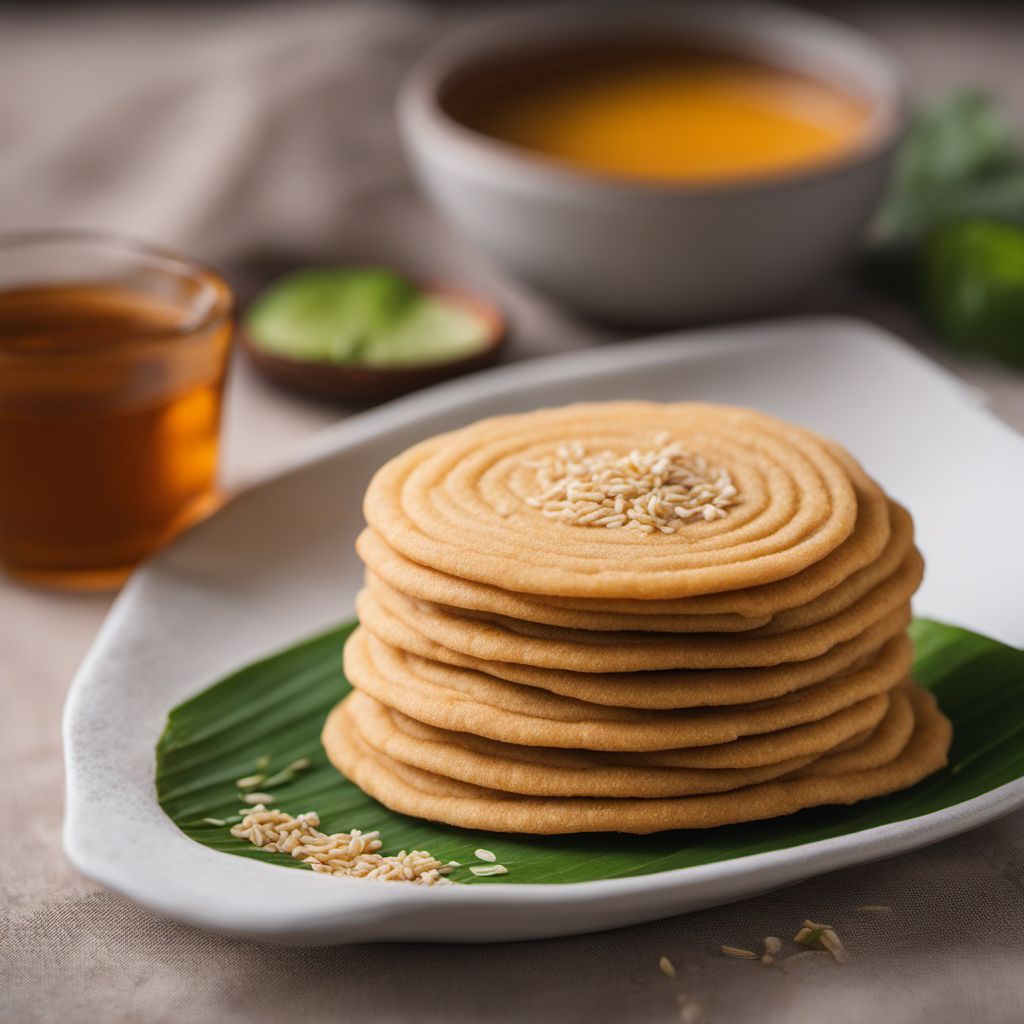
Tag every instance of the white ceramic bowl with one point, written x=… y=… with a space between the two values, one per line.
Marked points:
x=651 y=253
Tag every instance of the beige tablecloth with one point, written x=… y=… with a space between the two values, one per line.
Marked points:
x=259 y=137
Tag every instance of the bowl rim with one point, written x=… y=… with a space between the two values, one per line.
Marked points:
x=425 y=123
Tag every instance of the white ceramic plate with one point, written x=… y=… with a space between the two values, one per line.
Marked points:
x=277 y=564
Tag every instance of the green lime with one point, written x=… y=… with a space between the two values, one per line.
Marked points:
x=365 y=317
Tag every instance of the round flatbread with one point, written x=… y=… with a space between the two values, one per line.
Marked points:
x=481 y=600
x=547 y=771
x=655 y=690
x=825 y=606
x=865 y=543
x=813 y=738
x=883 y=745
x=413 y=791
x=461 y=503
x=467 y=701
x=881 y=538
x=898 y=553
x=590 y=651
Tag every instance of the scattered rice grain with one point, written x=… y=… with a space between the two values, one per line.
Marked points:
x=280 y=778
x=258 y=798
x=742 y=954
x=831 y=942
x=485 y=870
x=822 y=937
x=352 y=854
x=486 y=855
x=250 y=781
x=666 y=967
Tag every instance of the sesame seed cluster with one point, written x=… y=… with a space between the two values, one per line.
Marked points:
x=660 y=488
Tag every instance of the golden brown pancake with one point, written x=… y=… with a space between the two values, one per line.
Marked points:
x=409 y=790
x=459 y=503
x=468 y=701
x=659 y=689
x=548 y=771
x=632 y=617
x=591 y=651
x=882 y=536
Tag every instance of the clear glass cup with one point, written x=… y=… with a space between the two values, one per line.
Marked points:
x=112 y=362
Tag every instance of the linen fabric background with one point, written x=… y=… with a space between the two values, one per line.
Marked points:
x=260 y=137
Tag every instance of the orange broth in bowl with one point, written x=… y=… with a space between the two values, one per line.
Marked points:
x=661 y=113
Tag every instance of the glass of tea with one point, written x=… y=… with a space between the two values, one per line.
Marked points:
x=112 y=362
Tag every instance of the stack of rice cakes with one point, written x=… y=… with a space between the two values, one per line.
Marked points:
x=632 y=617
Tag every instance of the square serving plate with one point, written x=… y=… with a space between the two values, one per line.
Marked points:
x=276 y=565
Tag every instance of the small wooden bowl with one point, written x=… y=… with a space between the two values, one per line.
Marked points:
x=364 y=385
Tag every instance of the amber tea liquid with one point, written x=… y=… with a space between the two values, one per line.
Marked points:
x=109 y=421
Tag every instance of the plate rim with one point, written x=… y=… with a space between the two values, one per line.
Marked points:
x=386 y=912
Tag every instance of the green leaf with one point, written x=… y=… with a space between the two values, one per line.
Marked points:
x=275 y=708
x=364 y=317
x=959 y=159
x=949 y=235
x=972 y=287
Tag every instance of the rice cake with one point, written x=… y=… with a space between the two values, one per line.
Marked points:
x=409 y=790
x=460 y=503
x=881 y=527
x=591 y=651
x=468 y=701
x=546 y=771
x=658 y=689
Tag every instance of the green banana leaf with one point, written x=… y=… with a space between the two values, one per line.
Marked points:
x=274 y=709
